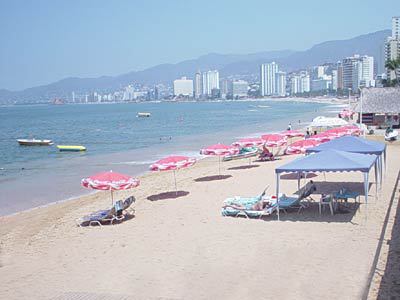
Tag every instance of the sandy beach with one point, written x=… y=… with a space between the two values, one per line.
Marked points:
x=182 y=248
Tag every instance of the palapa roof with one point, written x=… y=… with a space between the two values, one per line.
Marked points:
x=380 y=100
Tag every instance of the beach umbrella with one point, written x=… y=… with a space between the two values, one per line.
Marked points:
x=322 y=137
x=248 y=142
x=338 y=132
x=346 y=113
x=110 y=181
x=219 y=150
x=292 y=133
x=274 y=140
x=173 y=163
x=301 y=146
x=352 y=129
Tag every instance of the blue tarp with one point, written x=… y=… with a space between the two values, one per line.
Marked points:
x=351 y=144
x=330 y=161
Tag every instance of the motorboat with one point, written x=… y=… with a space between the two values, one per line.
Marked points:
x=34 y=142
x=70 y=148
x=391 y=135
x=143 y=114
x=244 y=152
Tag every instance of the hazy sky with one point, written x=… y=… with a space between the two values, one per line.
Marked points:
x=43 y=41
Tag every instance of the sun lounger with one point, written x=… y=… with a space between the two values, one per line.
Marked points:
x=116 y=213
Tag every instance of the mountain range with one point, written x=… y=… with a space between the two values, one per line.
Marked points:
x=227 y=64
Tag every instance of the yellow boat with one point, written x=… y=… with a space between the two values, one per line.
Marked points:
x=71 y=148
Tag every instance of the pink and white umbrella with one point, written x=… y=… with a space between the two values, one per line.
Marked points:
x=219 y=150
x=352 y=129
x=292 y=133
x=322 y=137
x=301 y=146
x=249 y=142
x=274 y=140
x=173 y=163
x=346 y=113
x=110 y=181
x=337 y=132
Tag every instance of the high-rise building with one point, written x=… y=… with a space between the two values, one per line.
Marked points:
x=300 y=83
x=210 y=81
x=225 y=88
x=197 y=85
x=334 y=80
x=268 y=79
x=183 y=87
x=392 y=46
x=396 y=28
x=239 y=88
x=295 y=84
x=340 y=76
x=280 y=84
x=358 y=71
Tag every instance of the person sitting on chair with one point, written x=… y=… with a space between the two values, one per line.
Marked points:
x=266 y=154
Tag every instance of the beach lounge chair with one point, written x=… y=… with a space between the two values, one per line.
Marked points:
x=116 y=213
x=295 y=201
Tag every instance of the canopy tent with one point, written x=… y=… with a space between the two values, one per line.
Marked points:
x=355 y=145
x=327 y=122
x=330 y=161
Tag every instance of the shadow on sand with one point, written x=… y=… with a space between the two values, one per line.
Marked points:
x=293 y=176
x=212 y=178
x=245 y=167
x=168 y=195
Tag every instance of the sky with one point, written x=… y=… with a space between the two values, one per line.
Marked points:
x=42 y=41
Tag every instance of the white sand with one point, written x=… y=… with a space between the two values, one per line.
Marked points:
x=184 y=249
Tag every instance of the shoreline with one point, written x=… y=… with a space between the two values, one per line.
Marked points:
x=121 y=161
x=192 y=251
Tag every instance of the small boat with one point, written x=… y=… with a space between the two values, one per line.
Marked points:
x=391 y=135
x=70 y=148
x=143 y=114
x=244 y=152
x=34 y=142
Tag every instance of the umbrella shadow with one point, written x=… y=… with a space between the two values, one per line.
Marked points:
x=245 y=167
x=212 y=178
x=167 y=195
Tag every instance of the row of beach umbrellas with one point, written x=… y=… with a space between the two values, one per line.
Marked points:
x=116 y=181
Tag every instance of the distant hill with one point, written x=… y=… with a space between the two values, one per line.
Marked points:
x=227 y=64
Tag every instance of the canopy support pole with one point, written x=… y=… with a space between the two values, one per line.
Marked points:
x=277 y=194
x=366 y=184
x=376 y=178
x=298 y=180
x=112 y=197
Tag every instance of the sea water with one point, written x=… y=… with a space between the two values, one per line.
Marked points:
x=116 y=139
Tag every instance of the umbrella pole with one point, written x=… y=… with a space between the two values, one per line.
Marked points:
x=112 y=197
x=219 y=165
x=176 y=189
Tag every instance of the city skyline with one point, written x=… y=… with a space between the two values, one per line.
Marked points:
x=52 y=40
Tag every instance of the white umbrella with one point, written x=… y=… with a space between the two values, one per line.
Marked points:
x=328 y=122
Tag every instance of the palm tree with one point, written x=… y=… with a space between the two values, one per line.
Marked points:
x=394 y=65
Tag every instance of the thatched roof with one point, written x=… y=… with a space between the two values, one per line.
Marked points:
x=380 y=100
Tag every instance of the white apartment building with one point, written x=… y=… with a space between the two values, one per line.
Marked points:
x=392 y=46
x=358 y=71
x=210 y=81
x=300 y=83
x=197 y=85
x=280 y=84
x=268 y=79
x=183 y=87
x=239 y=88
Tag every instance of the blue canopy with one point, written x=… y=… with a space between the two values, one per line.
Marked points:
x=351 y=144
x=330 y=161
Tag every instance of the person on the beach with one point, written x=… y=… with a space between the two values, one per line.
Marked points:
x=289 y=127
x=259 y=205
x=266 y=154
